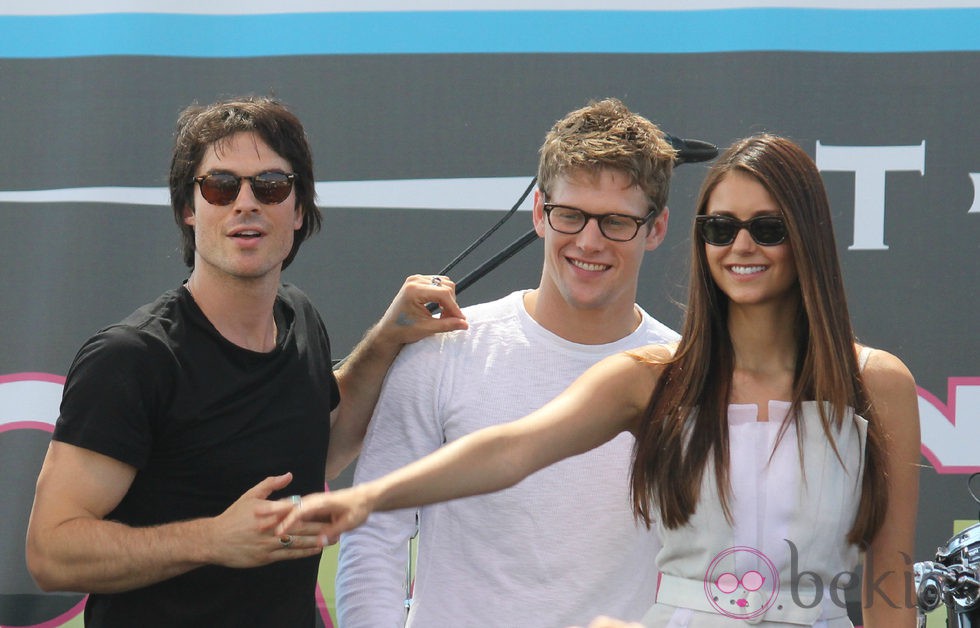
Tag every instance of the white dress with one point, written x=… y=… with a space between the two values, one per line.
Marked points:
x=786 y=559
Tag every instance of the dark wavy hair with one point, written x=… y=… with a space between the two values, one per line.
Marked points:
x=201 y=127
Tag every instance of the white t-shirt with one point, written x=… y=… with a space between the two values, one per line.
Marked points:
x=557 y=549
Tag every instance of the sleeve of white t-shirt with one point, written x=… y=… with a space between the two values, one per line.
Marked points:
x=371 y=575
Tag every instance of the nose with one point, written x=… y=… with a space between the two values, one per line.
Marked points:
x=590 y=237
x=743 y=241
x=246 y=201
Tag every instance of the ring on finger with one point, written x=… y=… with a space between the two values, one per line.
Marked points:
x=296 y=500
x=286 y=540
x=436 y=280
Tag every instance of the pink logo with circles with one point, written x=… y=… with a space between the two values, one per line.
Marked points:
x=741 y=582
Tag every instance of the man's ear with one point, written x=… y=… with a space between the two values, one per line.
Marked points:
x=537 y=213
x=658 y=230
x=189 y=215
x=298 y=221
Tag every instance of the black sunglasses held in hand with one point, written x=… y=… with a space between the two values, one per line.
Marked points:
x=722 y=230
x=268 y=188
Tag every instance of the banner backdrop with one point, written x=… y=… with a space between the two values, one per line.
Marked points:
x=425 y=126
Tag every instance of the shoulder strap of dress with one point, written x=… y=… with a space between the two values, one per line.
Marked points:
x=863 y=356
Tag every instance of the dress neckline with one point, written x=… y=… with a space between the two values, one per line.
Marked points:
x=743 y=413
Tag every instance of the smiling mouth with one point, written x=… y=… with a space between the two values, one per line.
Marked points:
x=588 y=265
x=747 y=270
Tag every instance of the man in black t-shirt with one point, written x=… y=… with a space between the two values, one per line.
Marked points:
x=180 y=422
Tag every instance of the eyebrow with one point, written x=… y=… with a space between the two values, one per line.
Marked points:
x=758 y=212
x=233 y=173
x=609 y=213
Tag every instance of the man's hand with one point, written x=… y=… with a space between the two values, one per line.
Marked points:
x=325 y=514
x=363 y=371
x=408 y=319
x=244 y=534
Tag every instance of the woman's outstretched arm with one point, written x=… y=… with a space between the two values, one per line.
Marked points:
x=606 y=400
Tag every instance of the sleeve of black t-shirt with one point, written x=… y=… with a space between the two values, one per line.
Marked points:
x=114 y=390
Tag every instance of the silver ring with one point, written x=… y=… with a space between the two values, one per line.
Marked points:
x=286 y=540
x=436 y=281
x=297 y=501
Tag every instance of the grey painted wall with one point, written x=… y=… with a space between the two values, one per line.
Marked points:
x=66 y=269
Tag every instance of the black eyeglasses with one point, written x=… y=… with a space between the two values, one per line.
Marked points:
x=572 y=220
x=722 y=230
x=269 y=188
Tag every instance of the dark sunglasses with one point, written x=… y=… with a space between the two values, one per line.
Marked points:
x=269 y=188
x=721 y=230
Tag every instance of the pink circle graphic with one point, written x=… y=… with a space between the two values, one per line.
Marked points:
x=741 y=582
x=29 y=401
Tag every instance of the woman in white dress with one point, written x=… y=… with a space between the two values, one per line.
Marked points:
x=771 y=447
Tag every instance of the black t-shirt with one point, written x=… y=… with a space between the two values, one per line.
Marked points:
x=203 y=421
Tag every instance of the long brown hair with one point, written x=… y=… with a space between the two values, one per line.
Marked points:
x=685 y=424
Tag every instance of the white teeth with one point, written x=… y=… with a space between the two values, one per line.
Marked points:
x=588 y=266
x=248 y=233
x=747 y=270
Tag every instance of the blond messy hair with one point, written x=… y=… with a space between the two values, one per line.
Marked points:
x=606 y=135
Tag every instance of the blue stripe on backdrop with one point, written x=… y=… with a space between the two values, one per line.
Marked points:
x=759 y=29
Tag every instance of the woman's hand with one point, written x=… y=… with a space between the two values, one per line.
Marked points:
x=327 y=515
